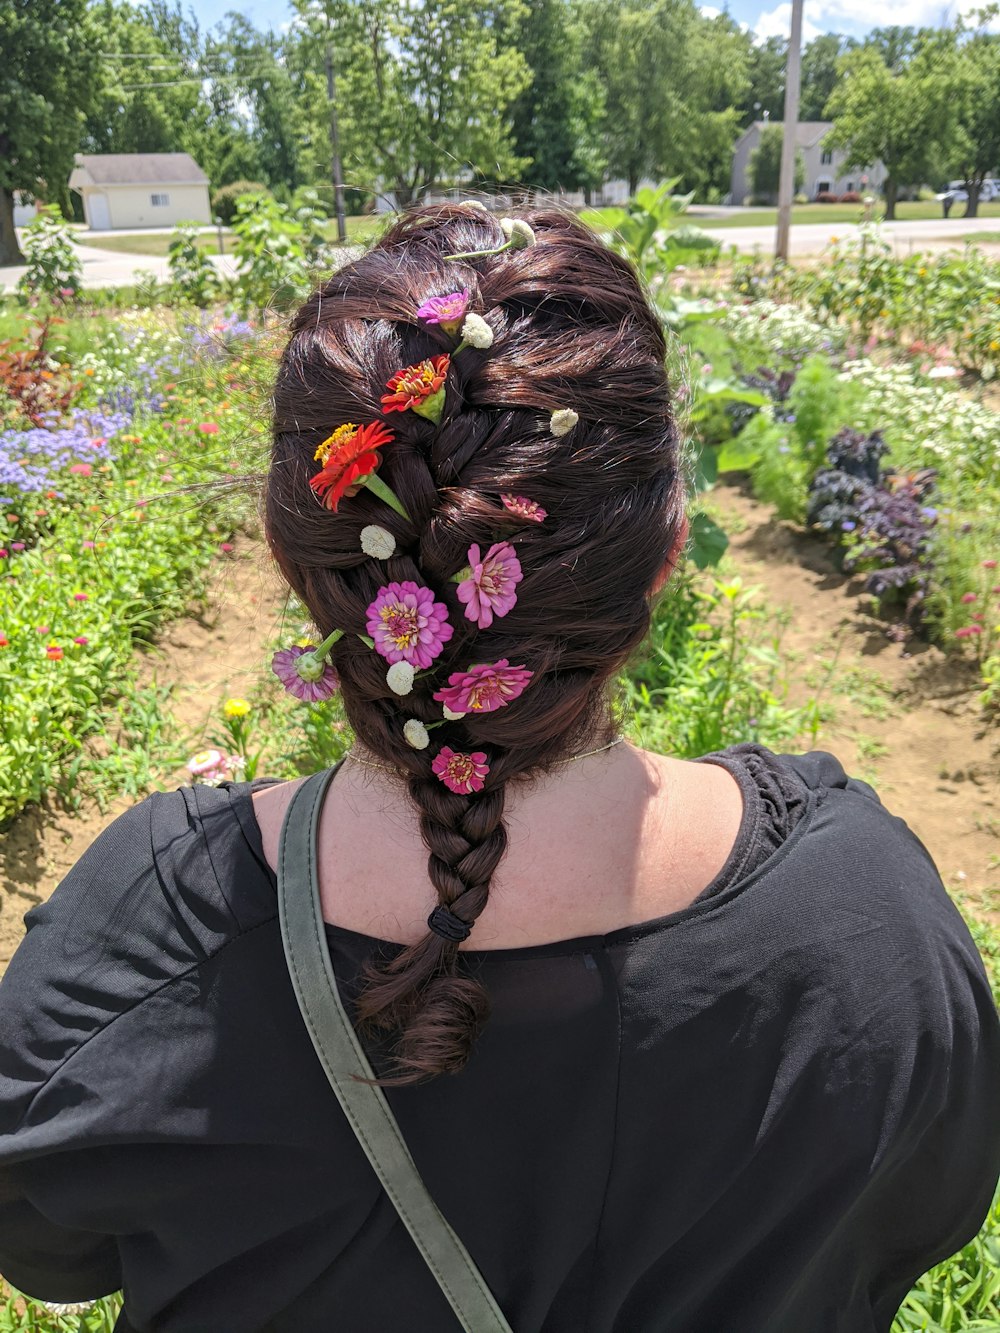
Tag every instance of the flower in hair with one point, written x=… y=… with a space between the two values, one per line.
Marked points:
x=519 y=234
x=476 y=332
x=415 y=734
x=451 y=716
x=490 y=588
x=460 y=773
x=408 y=625
x=562 y=421
x=399 y=678
x=305 y=672
x=419 y=388
x=523 y=508
x=376 y=542
x=446 y=311
x=484 y=688
x=350 y=459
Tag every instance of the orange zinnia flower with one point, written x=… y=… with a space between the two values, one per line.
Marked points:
x=419 y=388
x=54 y=653
x=348 y=455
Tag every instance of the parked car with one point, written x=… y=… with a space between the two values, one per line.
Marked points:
x=988 y=191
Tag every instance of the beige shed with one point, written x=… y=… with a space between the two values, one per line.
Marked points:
x=136 y=190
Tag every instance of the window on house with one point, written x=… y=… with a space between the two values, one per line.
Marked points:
x=850 y=187
x=160 y=200
x=826 y=158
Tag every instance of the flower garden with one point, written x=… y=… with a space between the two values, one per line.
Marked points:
x=857 y=400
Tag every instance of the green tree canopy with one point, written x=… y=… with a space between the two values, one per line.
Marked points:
x=975 y=61
x=901 y=116
x=47 y=80
x=765 y=165
x=819 y=73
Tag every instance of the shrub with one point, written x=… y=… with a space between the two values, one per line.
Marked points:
x=826 y=197
x=851 y=197
x=192 y=274
x=54 y=269
x=225 y=198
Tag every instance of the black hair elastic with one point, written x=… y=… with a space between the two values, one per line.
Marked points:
x=445 y=923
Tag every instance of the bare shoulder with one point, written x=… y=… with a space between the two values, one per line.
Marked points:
x=269 y=807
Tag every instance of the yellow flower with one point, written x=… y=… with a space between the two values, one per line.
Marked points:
x=236 y=708
x=921 y=273
x=995 y=346
x=884 y=314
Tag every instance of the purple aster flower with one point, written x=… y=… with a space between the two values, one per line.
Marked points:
x=305 y=675
x=408 y=625
x=490 y=588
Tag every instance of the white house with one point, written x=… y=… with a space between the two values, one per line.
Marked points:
x=826 y=172
x=140 y=189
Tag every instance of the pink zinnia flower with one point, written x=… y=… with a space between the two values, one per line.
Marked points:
x=448 y=311
x=967 y=631
x=310 y=686
x=17 y=546
x=408 y=625
x=482 y=689
x=42 y=629
x=968 y=597
x=490 y=589
x=89 y=546
x=523 y=508
x=226 y=547
x=82 y=640
x=4 y=641
x=989 y=564
x=460 y=773
x=208 y=428
x=3 y=553
x=80 y=597
x=82 y=469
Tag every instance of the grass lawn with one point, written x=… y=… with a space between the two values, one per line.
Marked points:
x=152 y=243
x=838 y=214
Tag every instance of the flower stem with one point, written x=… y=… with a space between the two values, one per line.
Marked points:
x=327 y=644
x=378 y=487
x=369 y=643
x=476 y=254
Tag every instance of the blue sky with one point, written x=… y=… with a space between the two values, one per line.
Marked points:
x=854 y=17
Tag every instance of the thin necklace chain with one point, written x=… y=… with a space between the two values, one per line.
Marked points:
x=389 y=768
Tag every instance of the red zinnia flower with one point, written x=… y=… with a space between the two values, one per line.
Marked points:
x=54 y=653
x=349 y=454
x=419 y=388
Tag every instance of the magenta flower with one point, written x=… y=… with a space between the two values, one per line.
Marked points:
x=17 y=546
x=968 y=597
x=460 y=773
x=448 y=311
x=967 y=631
x=208 y=428
x=483 y=689
x=82 y=640
x=408 y=625
x=523 y=508
x=311 y=680
x=3 y=553
x=989 y=564
x=80 y=597
x=89 y=546
x=490 y=589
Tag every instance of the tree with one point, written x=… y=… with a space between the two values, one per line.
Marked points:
x=47 y=80
x=557 y=120
x=976 y=154
x=819 y=73
x=424 y=91
x=765 y=165
x=764 y=98
x=899 y=116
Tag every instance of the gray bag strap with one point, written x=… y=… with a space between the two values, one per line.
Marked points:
x=341 y=1055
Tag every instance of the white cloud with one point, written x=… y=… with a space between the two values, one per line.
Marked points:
x=778 y=23
x=857 y=17
x=709 y=11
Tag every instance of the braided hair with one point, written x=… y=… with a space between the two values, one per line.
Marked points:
x=572 y=329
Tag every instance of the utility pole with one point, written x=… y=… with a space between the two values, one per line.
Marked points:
x=789 y=145
x=338 y=183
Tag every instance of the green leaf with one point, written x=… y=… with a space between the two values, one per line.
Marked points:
x=708 y=541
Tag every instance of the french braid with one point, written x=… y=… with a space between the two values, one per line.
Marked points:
x=572 y=329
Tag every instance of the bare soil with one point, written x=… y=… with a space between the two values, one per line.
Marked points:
x=903 y=718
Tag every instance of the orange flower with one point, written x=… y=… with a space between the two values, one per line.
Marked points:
x=419 y=388
x=348 y=455
x=54 y=653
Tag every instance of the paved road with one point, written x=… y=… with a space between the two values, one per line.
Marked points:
x=110 y=268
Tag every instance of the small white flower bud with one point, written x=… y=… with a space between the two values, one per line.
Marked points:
x=517 y=232
x=476 y=332
x=415 y=734
x=399 y=678
x=452 y=717
x=376 y=542
x=563 y=420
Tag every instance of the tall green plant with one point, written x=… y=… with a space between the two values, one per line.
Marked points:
x=271 y=263
x=193 y=276
x=54 y=269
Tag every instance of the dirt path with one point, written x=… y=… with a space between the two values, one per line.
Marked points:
x=909 y=725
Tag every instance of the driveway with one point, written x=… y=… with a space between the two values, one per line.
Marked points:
x=112 y=268
x=812 y=238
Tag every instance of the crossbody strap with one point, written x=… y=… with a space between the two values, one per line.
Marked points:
x=341 y=1055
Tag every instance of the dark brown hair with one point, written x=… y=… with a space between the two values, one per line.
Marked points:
x=573 y=329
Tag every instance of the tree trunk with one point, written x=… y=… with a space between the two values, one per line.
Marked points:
x=633 y=183
x=10 y=251
x=890 y=199
x=972 y=203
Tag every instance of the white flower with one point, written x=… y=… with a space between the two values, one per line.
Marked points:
x=476 y=332
x=376 y=542
x=474 y=204
x=944 y=373
x=399 y=678
x=562 y=421
x=452 y=717
x=517 y=232
x=415 y=734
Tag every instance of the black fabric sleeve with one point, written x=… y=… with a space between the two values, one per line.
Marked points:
x=48 y=1261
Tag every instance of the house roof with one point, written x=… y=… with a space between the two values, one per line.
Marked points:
x=807 y=132
x=136 y=169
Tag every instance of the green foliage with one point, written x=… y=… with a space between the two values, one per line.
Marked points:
x=975 y=66
x=649 y=230
x=225 y=199
x=781 y=473
x=19 y=1314
x=819 y=403
x=271 y=264
x=193 y=276
x=765 y=165
x=54 y=270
